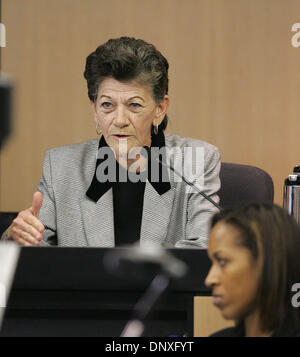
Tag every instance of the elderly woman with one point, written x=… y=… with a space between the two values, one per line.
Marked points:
x=87 y=197
x=255 y=272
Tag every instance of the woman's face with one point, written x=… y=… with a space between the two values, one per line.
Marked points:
x=125 y=112
x=234 y=274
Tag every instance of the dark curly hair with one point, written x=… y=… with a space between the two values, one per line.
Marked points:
x=268 y=231
x=125 y=59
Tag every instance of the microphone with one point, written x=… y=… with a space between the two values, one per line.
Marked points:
x=190 y=184
x=149 y=256
x=153 y=263
x=148 y=150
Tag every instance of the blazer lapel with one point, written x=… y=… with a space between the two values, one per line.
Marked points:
x=97 y=214
x=156 y=215
x=98 y=220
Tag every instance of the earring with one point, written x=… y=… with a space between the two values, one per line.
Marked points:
x=98 y=131
x=155 y=129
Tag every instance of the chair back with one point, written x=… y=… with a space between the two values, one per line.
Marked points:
x=243 y=184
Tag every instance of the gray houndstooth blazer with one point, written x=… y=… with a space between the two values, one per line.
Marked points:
x=175 y=218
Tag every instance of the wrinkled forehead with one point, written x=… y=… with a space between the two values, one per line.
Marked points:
x=113 y=88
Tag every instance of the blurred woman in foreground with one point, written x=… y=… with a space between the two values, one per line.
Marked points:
x=255 y=272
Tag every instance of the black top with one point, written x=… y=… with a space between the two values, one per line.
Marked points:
x=128 y=197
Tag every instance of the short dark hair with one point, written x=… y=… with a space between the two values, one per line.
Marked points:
x=268 y=231
x=125 y=59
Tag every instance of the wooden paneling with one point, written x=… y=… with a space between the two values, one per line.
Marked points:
x=207 y=318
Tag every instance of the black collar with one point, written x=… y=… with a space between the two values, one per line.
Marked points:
x=98 y=189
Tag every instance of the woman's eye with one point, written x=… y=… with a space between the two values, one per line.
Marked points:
x=135 y=105
x=106 y=105
x=222 y=262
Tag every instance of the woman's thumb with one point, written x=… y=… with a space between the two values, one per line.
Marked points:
x=37 y=203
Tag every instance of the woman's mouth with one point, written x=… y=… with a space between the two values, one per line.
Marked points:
x=217 y=300
x=121 y=136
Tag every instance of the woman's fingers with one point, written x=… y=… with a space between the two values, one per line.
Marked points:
x=31 y=220
x=27 y=233
x=26 y=229
x=22 y=241
x=24 y=232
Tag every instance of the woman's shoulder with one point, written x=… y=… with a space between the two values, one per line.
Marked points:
x=210 y=152
x=173 y=140
x=77 y=148
x=287 y=331
x=236 y=331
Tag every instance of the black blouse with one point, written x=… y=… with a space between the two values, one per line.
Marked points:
x=128 y=197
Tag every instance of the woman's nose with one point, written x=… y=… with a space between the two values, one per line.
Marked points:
x=120 y=118
x=211 y=278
